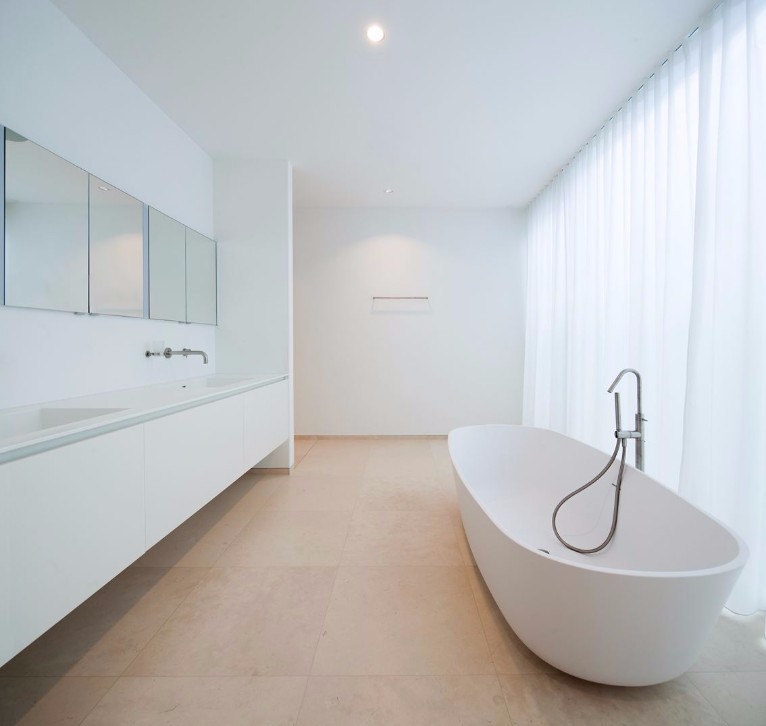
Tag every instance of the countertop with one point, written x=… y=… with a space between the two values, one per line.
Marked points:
x=28 y=430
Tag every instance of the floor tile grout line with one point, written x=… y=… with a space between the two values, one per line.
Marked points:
x=505 y=699
x=444 y=674
x=481 y=620
x=324 y=619
x=305 y=453
x=506 y=702
x=256 y=512
x=705 y=698
x=194 y=589
x=103 y=696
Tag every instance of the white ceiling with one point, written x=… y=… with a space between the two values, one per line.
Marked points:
x=465 y=103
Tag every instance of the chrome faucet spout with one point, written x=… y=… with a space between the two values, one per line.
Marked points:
x=638 y=384
x=185 y=352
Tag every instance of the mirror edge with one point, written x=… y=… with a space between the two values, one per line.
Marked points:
x=215 y=249
x=2 y=215
x=146 y=260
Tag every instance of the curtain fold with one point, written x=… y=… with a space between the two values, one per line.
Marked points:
x=648 y=251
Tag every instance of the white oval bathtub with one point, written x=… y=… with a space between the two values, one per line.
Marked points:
x=634 y=614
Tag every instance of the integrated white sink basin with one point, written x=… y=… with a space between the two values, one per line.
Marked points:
x=28 y=421
x=43 y=426
x=168 y=394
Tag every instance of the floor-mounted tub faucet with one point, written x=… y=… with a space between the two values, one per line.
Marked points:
x=638 y=433
x=622 y=436
x=185 y=352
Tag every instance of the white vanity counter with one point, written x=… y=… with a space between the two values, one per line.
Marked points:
x=87 y=485
x=32 y=429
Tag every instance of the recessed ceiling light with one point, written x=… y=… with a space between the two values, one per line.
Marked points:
x=389 y=191
x=103 y=189
x=375 y=33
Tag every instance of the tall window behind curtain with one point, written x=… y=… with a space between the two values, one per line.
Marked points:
x=647 y=251
x=724 y=444
x=610 y=257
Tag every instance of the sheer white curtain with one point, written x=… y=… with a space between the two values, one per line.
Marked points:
x=648 y=251
x=724 y=443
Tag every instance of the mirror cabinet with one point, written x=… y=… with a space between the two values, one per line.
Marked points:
x=46 y=229
x=200 y=278
x=71 y=241
x=167 y=267
x=116 y=251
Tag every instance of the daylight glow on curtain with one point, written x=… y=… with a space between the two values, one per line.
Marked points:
x=649 y=251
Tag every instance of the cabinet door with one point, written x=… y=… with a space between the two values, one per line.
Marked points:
x=200 y=279
x=266 y=421
x=191 y=457
x=167 y=268
x=74 y=519
x=116 y=244
x=46 y=228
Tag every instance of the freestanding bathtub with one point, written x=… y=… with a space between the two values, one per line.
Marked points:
x=636 y=613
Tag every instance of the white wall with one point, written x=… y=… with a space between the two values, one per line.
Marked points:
x=59 y=90
x=254 y=228
x=408 y=368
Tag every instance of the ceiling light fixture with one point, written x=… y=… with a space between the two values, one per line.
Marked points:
x=389 y=191
x=375 y=33
x=103 y=189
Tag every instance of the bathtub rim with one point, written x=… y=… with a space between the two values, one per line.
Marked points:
x=737 y=562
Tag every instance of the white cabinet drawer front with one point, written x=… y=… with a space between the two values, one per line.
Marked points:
x=73 y=520
x=190 y=458
x=266 y=421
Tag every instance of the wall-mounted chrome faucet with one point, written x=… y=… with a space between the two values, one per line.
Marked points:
x=185 y=352
x=638 y=433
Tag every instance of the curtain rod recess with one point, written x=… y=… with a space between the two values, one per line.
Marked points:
x=704 y=18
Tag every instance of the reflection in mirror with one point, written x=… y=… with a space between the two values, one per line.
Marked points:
x=116 y=251
x=200 y=278
x=46 y=229
x=167 y=268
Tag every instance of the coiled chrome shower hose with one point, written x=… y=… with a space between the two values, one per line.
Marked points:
x=615 y=511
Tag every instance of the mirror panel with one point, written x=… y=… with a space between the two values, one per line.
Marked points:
x=71 y=241
x=46 y=229
x=200 y=278
x=116 y=251
x=2 y=215
x=167 y=267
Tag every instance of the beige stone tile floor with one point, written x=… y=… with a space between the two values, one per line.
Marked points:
x=342 y=594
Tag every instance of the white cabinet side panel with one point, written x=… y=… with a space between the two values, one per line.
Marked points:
x=267 y=412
